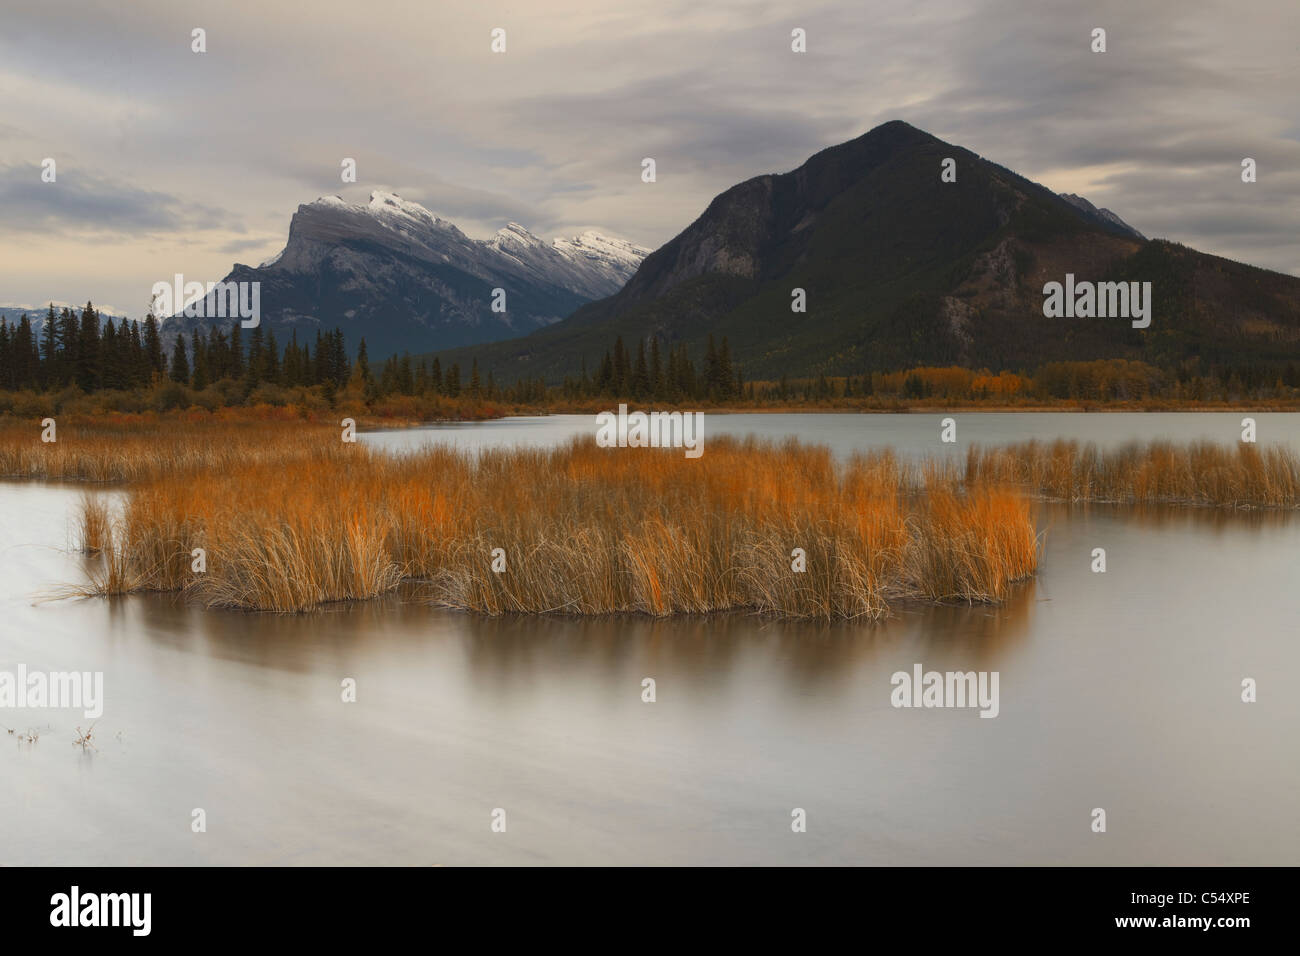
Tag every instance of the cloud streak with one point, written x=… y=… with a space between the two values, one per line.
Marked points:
x=192 y=156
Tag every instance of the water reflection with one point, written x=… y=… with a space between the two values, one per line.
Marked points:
x=1118 y=690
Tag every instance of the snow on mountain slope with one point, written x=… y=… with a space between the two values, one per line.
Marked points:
x=1105 y=215
x=592 y=265
x=406 y=279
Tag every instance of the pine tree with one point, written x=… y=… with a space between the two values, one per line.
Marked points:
x=656 y=369
x=218 y=355
x=726 y=380
x=180 y=371
x=712 y=370
x=640 y=373
x=69 y=346
x=256 y=356
x=26 y=370
x=362 y=368
x=622 y=367
x=405 y=378
x=292 y=362
x=339 y=358
x=236 y=367
x=6 y=357
x=88 y=371
x=50 y=350
x=139 y=361
x=202 y=375
x=605 y=381
x=271 y=361
x=153 y=345
x=109 y=374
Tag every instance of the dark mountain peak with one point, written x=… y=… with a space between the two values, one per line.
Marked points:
x=900 y=268
x=760 y=228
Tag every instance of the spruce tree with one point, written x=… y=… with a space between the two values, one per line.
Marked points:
x=88 y=349
x=50 y=350
x=153 y=345
x=641 y=373
x=180 y=371
x=201 y=377
x=656 y=369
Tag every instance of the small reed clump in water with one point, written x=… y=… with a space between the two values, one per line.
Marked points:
x=1201 y=473
x=582 y=530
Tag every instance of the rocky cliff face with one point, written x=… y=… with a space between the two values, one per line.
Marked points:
x=405 y=279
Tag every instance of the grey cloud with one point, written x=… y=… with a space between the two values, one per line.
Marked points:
x=78 y=201
x=237 y=246
x=552 y=134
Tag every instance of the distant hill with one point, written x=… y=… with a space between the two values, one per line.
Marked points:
x=902 y=269
x=36 y=314
x=404 y=279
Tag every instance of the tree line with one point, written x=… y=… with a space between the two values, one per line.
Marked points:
x=93 y=353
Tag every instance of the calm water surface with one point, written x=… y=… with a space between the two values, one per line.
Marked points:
x=1117 y=690
x=909 y=434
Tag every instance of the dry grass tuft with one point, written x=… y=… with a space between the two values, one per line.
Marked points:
x=93 y=531
x=1202 y=473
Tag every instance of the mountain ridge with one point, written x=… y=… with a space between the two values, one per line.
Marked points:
x=900 y=268
x=395 y=273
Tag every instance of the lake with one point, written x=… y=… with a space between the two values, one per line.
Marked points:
x=1119 y=691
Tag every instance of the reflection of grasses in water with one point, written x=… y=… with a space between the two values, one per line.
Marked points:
x=1201 y=473
x=585 y=530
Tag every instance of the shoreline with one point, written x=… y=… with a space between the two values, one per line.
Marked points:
x=369 y=421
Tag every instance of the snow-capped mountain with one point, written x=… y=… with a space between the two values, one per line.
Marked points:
x=405 y=279
x=588 y=263
x=36 y=314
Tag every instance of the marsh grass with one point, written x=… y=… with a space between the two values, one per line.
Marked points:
x=114 y=452
x=292 y=518
x=93 y=530
x=290 y=523
x=1201 y=473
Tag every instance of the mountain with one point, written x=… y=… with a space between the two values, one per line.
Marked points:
x=13 y=314
x=1104 y=215
x=902 y=269
x=405 y=279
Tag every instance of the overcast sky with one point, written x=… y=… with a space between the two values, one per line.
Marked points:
x=170 y=161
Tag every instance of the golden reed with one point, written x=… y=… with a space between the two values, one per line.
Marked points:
x=1201 y=473
x=290 y=517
